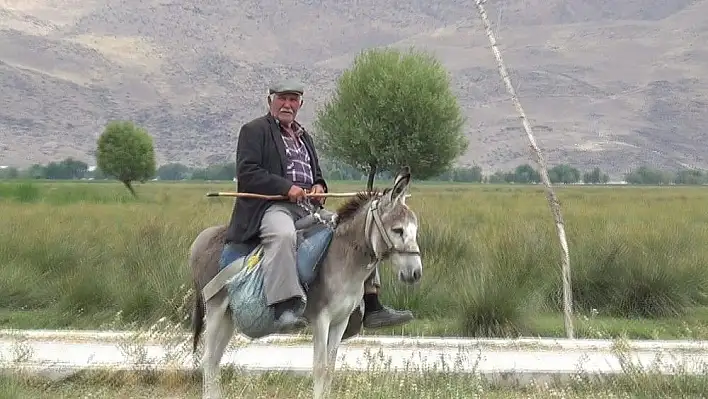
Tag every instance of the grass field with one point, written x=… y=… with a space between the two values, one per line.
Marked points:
x=370 y=384
x=87 y=255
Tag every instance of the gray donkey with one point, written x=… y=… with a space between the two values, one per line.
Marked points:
x=370 y=228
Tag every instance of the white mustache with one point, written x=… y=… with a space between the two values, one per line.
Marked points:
x=286 y=110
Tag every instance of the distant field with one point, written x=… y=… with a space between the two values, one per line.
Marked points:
x=87 y=255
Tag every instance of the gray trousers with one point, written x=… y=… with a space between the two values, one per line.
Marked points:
x=277 y=233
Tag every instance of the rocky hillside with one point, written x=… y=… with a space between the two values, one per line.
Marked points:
x=607 y=83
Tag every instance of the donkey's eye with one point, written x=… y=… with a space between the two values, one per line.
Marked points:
x=398 y=230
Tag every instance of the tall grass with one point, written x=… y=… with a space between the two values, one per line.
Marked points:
x=81 y=251
x=63 y=192
x=376 y=383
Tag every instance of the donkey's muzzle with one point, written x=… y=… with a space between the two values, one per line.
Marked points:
x=410 y=277
x=412 y=271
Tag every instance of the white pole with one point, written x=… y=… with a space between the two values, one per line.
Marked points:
x=550 y=194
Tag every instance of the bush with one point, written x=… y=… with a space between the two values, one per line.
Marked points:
x=506 y=287
x=19 y=191
x=639 y=271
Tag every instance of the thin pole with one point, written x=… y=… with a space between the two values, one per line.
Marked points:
x=550 y=194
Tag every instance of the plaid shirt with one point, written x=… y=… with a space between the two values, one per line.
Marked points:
x=299 y=169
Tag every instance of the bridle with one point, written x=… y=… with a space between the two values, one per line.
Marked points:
x=373 y=218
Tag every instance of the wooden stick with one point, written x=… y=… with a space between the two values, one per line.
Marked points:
x=274 y=197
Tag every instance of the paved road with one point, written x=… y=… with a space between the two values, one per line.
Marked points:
x=57 y=354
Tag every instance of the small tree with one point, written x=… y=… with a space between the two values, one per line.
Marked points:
x=526 y=174
x=172 y=171
x=391 y=109
x=648 y=175
x=126 y=152
x=595 y=176
x=563 y=173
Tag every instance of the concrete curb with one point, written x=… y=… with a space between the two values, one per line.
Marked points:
x=60 y=354
x=380 y=341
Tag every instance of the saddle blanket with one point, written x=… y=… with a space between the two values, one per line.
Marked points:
x=251 y=316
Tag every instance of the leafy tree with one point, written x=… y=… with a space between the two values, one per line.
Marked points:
x=68 y=169
x=391 y=109
x=595 y=176
x=647 y=175
x=690 y=176
x=98 y=174
x=9 y=173
x=36 y=171
x=466 y=174
x=563 y=173
x=526 y=174
x=226 y=171
x=125 y=151
x=334 y=170
x=172 y=171
x=497 y=177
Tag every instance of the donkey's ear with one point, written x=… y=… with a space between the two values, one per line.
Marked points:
x=400 y=185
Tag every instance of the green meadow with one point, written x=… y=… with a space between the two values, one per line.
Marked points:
x=88 y=255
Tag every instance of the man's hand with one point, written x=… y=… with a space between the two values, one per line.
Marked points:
x=295 y=193
x=317 y=189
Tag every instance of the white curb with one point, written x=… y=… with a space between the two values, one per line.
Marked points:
x=384 y=341
x=57 y=354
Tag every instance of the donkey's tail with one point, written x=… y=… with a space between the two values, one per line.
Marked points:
x=197 y=318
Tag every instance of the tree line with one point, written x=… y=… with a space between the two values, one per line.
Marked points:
x=364 y=126
x=72 y=169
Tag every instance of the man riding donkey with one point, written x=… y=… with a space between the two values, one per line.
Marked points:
x=276 y=156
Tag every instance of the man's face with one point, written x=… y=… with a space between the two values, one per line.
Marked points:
x=284 y=107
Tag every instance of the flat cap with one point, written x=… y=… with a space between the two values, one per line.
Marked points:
x=288 y=86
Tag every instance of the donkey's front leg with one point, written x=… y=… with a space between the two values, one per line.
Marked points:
x=336 y=331
x=320 y=333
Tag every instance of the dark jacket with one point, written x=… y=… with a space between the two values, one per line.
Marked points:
x=260 y=168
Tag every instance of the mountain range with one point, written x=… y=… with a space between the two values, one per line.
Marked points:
x=607 y=83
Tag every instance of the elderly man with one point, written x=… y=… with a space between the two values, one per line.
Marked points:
x=276 y=156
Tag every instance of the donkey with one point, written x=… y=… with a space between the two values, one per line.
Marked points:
x=371 y=227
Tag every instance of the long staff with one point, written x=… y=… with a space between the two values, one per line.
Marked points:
x=274 y=197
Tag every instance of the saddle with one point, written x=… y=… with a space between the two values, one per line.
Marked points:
x=313 y=239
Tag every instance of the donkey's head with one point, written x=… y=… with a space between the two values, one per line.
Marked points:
x=392 y=228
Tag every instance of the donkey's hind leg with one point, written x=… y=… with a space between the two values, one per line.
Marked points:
x=219 y=328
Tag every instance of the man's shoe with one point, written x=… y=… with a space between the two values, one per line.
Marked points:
x=386 y=317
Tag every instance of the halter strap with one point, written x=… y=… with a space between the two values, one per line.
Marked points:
x=373 y=217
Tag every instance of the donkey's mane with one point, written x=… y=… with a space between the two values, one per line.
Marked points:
x=349 y=209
